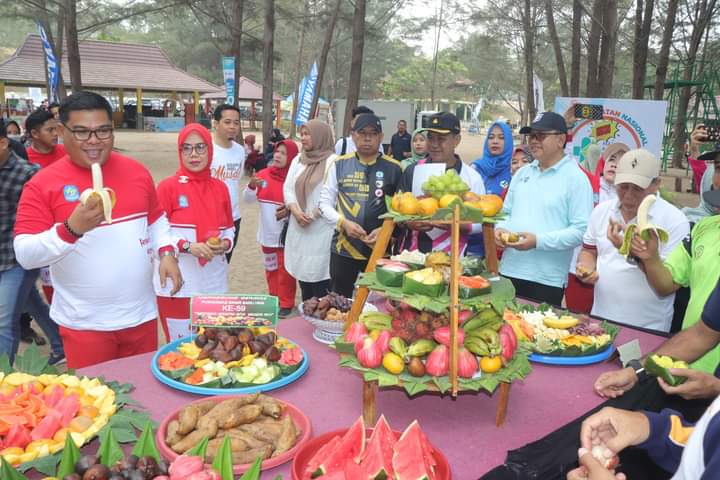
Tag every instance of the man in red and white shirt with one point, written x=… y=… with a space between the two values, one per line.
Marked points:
x=104 y=300
x=41 y=128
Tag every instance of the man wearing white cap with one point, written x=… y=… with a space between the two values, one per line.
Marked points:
x=622 y=292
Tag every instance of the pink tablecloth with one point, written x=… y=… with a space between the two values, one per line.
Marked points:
x=463 y=429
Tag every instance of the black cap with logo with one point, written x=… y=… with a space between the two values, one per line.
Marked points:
x=367 y=120
x=546 y=122
x=444 y=123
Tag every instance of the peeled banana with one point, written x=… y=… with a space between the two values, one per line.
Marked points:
x=106 y=195
x=643 y=227
x=563 y=322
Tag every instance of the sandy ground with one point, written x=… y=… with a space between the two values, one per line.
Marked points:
x=158 y=151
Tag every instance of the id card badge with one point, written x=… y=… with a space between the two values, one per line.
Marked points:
x=271 y=261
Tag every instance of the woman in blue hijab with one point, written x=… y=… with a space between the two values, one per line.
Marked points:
x=494 y=166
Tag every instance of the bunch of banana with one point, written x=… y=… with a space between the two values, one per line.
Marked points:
x=105 y=195
x=376 y=320
x=420 y=348
x=487 y=318
x=398 y=346
x=484 y=342
x=643 y=227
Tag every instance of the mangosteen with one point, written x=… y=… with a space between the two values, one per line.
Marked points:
x=116 y=476
x=268 y=339
x=245 y=335
x=72 y=476
x=97 y=472
x=162 y=467
x=211 y=333
x=415 y=367
x=148 y=466
x=236 y=353
x=272 y=354
x=201 y=340
x=257 y=347
x=134 y=475
x=209 y=347
x=85 y=462
x=230 y=342
x=132 y=460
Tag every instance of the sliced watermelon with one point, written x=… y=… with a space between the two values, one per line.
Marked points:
x=351 y=446
x=319 y=456
x=48 y=426
x=68 y=407
x=412 y=457
x=353 y=471
x=17 y=436
x=377 y=458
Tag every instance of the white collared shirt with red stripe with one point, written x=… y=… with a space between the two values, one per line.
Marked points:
x=103 y=280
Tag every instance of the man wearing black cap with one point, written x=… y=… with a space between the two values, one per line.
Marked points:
x=547 y=206
x=353 y=198
x=443 y=137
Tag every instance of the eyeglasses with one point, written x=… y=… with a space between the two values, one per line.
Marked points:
x=542 y=136
x=199 y=148
x=83 y=134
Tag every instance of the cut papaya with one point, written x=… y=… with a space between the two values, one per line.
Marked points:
x=17 y=436
x=68 y=407
x=351 y=446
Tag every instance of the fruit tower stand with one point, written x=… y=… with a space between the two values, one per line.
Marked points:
x=453 y=215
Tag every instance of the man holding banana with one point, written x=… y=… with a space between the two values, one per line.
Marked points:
x=100 y=258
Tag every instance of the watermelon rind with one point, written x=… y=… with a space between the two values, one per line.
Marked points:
x=377 y=458
x=412 y=455
x=320 y=456
x=351 y=446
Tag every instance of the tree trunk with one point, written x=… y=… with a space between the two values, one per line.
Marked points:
x=436 y=53
x=576 y=47
x=558 y=49
x=236 y=26
x=268 y=51
x=358 y=44
x=73 y=47
x=298 y=72
x=322 y=63
x=606 y=67
x=643 y=23
x=529 y=58
x=593 y=49
x=664 y=57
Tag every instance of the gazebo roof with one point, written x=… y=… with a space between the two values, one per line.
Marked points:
x=248 y=90
x=105 y=65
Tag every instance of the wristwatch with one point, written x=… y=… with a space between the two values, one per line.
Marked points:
x=185 y=246
x=638 y=368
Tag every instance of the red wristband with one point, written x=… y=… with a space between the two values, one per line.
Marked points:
x=167 y=248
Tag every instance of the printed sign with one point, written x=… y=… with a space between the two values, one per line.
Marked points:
x=234 y=311
x=228 y=66
x=307 y=92
x=636 y=123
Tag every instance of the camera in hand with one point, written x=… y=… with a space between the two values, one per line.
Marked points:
x=712 y=128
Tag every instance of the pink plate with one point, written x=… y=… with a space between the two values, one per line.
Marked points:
x=303 y=457
x=301 y=421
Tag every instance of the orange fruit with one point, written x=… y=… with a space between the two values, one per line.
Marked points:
x=395 y=203
x=447 y=199
x=471 y=197
x=408 y=205
x=428 y=206
x=488 y=207
x=490 y=364
x=496 y=199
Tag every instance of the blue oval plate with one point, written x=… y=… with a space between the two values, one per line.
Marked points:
x=583 y=360
x=264 y=387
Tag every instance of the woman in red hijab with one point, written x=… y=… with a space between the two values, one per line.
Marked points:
x=267 y=188
x=200 y=216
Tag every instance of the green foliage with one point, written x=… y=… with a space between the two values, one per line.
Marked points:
x=70 y=455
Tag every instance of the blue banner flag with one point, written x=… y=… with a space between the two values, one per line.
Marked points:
x=52 y=65
x=307 y=92
x=228 y=66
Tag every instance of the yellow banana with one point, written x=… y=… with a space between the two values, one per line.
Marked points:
x=643 y=227
x=564 y=322
x=105 y=195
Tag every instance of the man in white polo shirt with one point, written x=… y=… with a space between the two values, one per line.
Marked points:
x=622 y=292
x=228 y=162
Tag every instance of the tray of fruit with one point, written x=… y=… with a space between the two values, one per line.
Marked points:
x=258 y=426
x=426 y=287
x=220 y=361
x=560 y=338
x=440 y=195
x=379 y=452
x=328 y=314
x=410 y=348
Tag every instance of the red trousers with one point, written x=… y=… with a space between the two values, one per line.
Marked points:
x=88 y=347
x=578 y=295
x=280 y=282
x=174 y=313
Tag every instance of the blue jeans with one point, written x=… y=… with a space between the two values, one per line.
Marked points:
x=10 y=283
x=17 y=294
x=30 y=301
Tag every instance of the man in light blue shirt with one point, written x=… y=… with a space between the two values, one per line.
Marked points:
x=548 y=206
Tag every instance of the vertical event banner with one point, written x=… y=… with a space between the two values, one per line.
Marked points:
x=636 y=123
x=234 y=311
x=51 y=63
x=307 y=92
x=228 y=67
